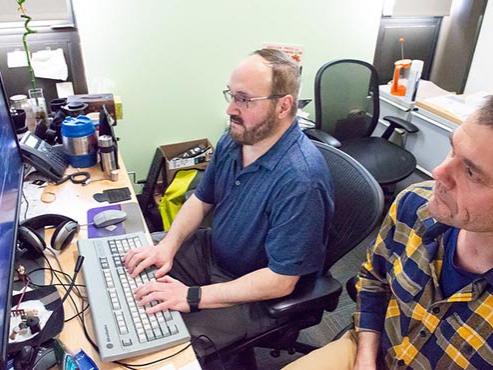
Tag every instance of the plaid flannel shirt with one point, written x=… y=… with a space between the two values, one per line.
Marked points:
x=400 y=297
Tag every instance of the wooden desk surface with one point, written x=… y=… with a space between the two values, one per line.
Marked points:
x=74 y=200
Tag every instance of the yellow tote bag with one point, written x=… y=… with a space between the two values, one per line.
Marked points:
x=174 y=196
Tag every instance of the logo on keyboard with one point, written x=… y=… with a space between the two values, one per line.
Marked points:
x=108 y=339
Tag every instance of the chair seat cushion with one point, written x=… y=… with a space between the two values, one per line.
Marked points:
x=387 y=162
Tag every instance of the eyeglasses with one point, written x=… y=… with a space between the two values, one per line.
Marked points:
x=243 y=101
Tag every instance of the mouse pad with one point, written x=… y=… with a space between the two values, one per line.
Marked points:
x=133 y=223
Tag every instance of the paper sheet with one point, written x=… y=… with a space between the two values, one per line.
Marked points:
x=16 y=59
x=64 y=89
x=459 y=105
x=50 y=64
x=35 y=207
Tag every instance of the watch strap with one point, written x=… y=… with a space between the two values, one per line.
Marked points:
x=193 y=298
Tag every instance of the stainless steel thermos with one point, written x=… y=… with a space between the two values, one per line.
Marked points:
x=107 y=154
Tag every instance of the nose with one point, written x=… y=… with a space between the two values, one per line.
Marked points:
x=232 y=108
x=444 y=172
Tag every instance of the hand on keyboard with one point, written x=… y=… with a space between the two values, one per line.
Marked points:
x=171 y=294
x=138 y=259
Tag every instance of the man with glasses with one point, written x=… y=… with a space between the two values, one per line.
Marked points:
x=270 y=192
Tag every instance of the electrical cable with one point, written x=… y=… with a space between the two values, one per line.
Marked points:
x=27 y=203
x=53 y=271
x=77 y=178
x=26 y=284
x=76 y=286
x=67 y=290
x=64 y=274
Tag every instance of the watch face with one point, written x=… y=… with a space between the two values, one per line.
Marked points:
x=193 y=298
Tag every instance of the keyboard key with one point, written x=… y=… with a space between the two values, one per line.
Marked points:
x=127 y=342
x=173 y=329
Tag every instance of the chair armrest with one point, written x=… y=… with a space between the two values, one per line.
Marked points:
x=321 y=293
x=322 y=136
x=396 y=122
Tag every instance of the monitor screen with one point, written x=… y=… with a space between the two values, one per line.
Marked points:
x=11 y=171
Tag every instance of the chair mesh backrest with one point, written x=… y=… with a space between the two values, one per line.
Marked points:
x=346 y=99
x=358 y=203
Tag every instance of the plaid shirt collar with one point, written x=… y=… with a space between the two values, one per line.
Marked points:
x=432 y=238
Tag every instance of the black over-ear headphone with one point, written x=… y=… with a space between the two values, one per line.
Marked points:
x=33 y=244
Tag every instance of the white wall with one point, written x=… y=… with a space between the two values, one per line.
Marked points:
x=481 y=72
x=169 y=60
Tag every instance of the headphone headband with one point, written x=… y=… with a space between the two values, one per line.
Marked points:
x=39 y=222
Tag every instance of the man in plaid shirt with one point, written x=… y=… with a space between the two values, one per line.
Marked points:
x=425 y=292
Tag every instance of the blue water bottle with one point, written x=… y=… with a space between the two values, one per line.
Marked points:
x=79 y=141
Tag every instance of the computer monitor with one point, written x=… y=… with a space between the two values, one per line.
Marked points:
x=11 y=172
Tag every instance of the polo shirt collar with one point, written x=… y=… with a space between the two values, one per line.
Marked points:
x=270 y=159
x=274 y=155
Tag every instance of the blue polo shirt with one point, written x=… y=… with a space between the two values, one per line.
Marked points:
x=273 y=213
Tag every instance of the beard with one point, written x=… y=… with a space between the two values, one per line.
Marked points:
x=249 y=136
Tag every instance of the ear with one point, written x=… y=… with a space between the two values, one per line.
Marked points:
x=284 y=105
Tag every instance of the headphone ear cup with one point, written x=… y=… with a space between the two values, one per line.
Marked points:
x=30 y=242
x=64 y=234
x=24 y=359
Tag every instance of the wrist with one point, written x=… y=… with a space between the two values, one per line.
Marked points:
x=194 y=296
x=168 y=249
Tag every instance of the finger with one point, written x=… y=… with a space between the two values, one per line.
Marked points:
x=167 y=279
x=162 y=306
x=152 y=296
x=141 y=291
x=129 y=255
x=141 y=266
x=148 y=288
x=135 y=259
x=162 y=271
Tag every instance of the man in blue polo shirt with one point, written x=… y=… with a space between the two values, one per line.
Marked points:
x=270 y=192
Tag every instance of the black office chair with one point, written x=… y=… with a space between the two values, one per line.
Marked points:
x=358 y=209
x=347 y=111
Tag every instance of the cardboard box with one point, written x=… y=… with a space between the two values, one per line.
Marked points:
x=172 y=165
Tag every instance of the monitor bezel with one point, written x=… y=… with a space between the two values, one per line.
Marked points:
x=10 y=282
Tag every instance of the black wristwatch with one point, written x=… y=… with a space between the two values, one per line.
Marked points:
x=193 y=298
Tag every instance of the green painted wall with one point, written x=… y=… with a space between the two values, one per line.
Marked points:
x=170 y=59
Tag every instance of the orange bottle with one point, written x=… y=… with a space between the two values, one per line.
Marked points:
x=401 y=67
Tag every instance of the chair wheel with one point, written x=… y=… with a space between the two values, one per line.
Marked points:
x=275 y=353
x=291 y=351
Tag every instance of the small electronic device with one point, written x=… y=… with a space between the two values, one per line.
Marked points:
x=109 y=217
x=193 y=152
x=48 y=160
x=113 y=195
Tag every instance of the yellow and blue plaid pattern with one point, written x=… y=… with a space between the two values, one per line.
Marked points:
x=399 y=295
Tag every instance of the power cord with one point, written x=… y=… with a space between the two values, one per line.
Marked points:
x=64 y=274
x=63 y=285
